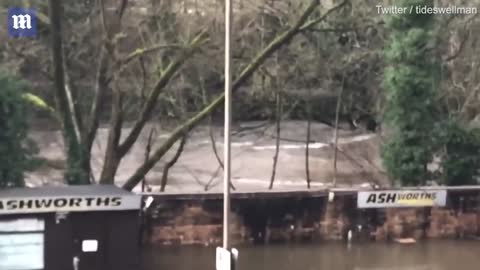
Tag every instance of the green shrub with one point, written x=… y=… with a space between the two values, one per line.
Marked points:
x=461 y=154
x=14 y=150
x=409 y=85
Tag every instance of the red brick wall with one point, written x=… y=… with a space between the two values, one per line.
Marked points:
x=308 y=219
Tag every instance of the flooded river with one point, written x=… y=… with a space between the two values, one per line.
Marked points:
x=431 y=255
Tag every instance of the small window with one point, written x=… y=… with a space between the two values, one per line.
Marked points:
x=22 y=244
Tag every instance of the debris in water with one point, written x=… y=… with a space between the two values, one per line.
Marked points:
x=405 y=240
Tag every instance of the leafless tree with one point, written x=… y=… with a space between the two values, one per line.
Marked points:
x=278 y=109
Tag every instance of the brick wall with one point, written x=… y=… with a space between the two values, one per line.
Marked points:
x=262 y=220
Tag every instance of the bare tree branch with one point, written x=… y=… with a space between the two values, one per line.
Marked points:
x=171 y=163
x=143 y=51
x=211 y=134
x=112 y=157
x=335 y=136
x=246 y=73
x=102 y=17
x=214 y=175
x=313 y=22
x=277 y=141
x=148 y=149
x=214 y=144
x=331 y=30
x=157 y=89
x=121 y=9
x=210 y=126
x=102 y=81
x=307 y=142
x=144 y=81
x=463 y=42
x=98 y=100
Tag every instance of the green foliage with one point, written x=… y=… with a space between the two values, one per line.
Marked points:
x=461 y=159
x=405 y=160
x=410 y=83
x=410 y=93
x=14 y=153
x=38 y=102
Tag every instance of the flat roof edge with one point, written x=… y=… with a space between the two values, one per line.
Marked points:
x=295 y=193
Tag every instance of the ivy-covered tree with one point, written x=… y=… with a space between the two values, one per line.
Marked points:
x=409 y=86
x=13 y=132
x=461 y=153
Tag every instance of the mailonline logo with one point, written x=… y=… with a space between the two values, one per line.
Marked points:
x=22 y=22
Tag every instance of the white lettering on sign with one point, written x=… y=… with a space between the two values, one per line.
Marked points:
x=23 y=21
x=401 y=198
x=69 y=204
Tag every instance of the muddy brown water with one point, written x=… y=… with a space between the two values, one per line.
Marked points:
x=252 y=151
x=430 y=255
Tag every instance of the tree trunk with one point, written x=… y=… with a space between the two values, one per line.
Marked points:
x=78 y=159
x=335 y=136
x=277 y=141
x=307 y=146
x=112 y=155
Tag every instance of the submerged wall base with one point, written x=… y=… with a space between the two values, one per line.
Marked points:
x=180 y=221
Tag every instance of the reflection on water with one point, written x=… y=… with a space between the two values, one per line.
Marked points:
x=431 y=255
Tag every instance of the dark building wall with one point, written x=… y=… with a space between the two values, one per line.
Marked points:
x=59 y=248
x=123 y=250
x=266 y=220
x=116 y=232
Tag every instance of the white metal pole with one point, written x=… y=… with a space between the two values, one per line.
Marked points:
x=227 y=127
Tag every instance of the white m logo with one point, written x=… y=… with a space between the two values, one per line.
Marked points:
x=22 y=21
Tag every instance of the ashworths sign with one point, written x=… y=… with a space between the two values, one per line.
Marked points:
x=401 y=198
x=69 y=204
